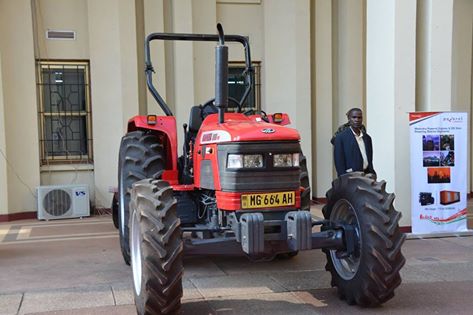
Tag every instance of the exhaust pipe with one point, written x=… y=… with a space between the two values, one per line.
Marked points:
x=221 y=75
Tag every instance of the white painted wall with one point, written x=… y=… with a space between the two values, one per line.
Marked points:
x=68 y=15
x=390 y=80
x=322 y=100
x=3 y=150
x=349 y=57
x=243 y=19
x=315 y=87
x=153 y=23
x=462 y=63
x=287 y=64
x=434 y=55
x=72 y=174
x=114 y=86
x=204 y=21
x=19 y=101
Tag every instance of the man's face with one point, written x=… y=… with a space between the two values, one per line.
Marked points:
x=356 y=119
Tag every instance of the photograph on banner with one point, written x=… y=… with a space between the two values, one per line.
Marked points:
x=439 y=171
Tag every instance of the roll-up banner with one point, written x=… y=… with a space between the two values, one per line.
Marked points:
x=438 y=171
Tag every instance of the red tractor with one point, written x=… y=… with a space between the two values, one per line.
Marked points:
x=241 y=186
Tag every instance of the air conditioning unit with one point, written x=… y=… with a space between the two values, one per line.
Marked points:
x=63 y=202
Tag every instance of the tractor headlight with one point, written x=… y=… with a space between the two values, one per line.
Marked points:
x=235 y=161
x=286 y=160
x=252 y=160
x=245 y=161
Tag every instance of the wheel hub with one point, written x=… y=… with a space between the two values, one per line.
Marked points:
x=346 y=265
x=135 y=252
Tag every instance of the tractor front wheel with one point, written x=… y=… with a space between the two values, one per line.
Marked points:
x=156 y=248
x=141 y=156
x=369 y=275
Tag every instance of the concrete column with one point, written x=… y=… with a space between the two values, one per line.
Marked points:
x=322 y=100
x=287 y=65
x=461 y=63
x=154 y=17
x=193 y=62
x=129 y=58
x=205 y=21
x=113 y=65
x=3 y=150
x=20 y=105
x=183 y=66
x=390 y=83
x=349 y=57
x=434 y=55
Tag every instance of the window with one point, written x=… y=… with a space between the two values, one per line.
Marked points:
x=236 y=84
x=64 y=112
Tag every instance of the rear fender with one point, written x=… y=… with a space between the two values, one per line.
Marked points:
x=165 y=129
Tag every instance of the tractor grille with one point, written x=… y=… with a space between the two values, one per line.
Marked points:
x=268 y=178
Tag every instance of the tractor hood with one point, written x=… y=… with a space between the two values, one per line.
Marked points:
x=238 y=127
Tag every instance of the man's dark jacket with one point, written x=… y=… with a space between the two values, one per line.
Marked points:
x=347 y=154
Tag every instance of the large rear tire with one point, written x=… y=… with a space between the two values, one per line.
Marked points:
x=141 y=156
x=368 y=276
x=156 y=248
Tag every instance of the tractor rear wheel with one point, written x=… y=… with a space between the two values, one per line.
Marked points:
x=141 y=156
x=156 y=248
x=369 y=275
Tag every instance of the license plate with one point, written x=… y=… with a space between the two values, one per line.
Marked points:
x=268 y=200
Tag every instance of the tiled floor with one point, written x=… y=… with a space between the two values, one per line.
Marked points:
x=75 y=267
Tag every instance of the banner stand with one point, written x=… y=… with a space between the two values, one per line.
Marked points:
x=412 y=236
x=439 y=149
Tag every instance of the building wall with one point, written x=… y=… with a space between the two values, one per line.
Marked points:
x=3 y=150
x=19 y=104
x=286 y=69
x=314 y=66
x=67 y=15
x=113 y=64
x=462 y=63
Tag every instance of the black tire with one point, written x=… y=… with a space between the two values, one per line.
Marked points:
x=156 y=248
x=368 y=277
x=141 y=156
x=304 y=180
x=115 y=210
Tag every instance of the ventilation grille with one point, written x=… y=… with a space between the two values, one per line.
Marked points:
x=61 y=35
x=57 y=202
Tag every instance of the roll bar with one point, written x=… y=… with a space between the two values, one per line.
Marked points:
x=194 y=37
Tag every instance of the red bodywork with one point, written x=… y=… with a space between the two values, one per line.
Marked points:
x=165 y=128
x=236 y=128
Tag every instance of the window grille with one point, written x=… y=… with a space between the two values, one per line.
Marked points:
x=236 y=85
x=64 y=112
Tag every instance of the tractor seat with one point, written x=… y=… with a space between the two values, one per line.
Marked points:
x=197 y=116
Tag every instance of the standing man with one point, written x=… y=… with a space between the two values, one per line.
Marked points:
x=353 y=150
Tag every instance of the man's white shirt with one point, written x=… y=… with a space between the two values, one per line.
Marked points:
x=361 y=145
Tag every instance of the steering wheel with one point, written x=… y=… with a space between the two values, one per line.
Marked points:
x=230 y=99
